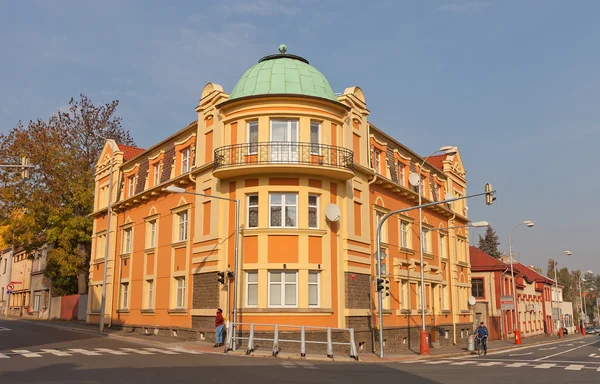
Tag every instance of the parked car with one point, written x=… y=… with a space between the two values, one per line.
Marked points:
x=590 y=330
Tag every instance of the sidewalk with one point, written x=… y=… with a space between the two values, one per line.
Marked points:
x=367 y=357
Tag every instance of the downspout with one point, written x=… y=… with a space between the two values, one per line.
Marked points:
x=452 y=295
x=501 y=311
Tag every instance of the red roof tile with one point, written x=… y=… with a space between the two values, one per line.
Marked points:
x=129 y=152
x=481 y=261
x=532 y=275
x=437 y=161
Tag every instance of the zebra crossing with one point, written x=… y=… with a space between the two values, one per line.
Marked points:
x=490 y=363
x=45 y=352
x=298 y=364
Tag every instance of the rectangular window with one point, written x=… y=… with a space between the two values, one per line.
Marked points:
x=150 y=293
x=442 y=246
x=185 y=160
x=378 y=218
x=313 y=211
x=283 y=209
x=156 y=173
x=252 y=289
x=313 y=289
x=180 y=293
x=253 y=211
x=124 y=295
x=127 y=240
x=315 y=138
x=443 y=298
x=182 y=232
x=425 y=239
x=403 y=294
x=404 y=231
x=284 y=141
x=36 y=301
x=477 y=288
x=376 y=161
x=131 y=186
x=253 y=137
x=151 y=234
x=419 y=303
x=400 y=170
x=283 y=289
x=423 y=188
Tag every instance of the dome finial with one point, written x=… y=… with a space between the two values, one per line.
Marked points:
x=283 y=49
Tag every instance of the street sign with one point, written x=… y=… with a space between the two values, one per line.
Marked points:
x=10 y=287
x=9 y=292
x=506 y=303
x=16 y=282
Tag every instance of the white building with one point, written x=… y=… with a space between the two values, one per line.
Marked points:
x=5 y=264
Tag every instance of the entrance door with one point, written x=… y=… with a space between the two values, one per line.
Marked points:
x=284 y=141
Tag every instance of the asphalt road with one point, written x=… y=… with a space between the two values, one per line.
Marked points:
x=35 y=353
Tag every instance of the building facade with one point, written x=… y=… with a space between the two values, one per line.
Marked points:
x=295 y=156
x=5 y=265
x=19 y=300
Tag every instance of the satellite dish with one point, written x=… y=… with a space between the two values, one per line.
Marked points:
x=472 y=300
x=414 y=179
x=332 y=212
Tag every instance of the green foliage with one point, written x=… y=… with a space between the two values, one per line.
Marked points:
x=52 y=206
x=489 y=243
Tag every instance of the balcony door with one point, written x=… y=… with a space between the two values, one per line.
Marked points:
x=284 y=141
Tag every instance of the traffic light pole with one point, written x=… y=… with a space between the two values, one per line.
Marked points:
x=489 y=192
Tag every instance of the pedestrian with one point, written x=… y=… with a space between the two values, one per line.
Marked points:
x=219 y=325
x=545 y=328
x=482 y=334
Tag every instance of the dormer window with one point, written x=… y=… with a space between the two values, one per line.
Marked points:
x=376 y=161
x=185 y=160
x=130 y=186
x=400 y=171
x=156 y=174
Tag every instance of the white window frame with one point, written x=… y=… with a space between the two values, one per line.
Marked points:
x=37 y=299
x=283 y=206
x=315 y=147
x=130 y=186
x=180 y=292
x=127 y=240
x=423 y=186
x=289 y=152
x=125 y=295
x=442 y=241
x=150 y=293
x=185 y=160
x=404 y=234
x=156 y=173
x=403 y=294
x=425 y=237
x=282 y=285
x=152 y=224
x=316 y=208
x=182 y=225
x=318 y=285
x=400 y=173
x=253 y=206
x=377 y=161
x=248 y=284
x=252 y=146
x=384 y=232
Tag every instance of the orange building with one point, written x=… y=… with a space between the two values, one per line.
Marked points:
x=285 y=146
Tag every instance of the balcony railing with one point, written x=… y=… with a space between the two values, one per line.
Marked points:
x=283 y=152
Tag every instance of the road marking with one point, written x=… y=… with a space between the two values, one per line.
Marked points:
x=84 y=352
x=133 y=350
x=56 y=352
x=184 y=350
x=26 y=353
x=161 y=351
x=111 y=351
x=3 y=356
x=306 y=364
x=516 y=365
x=489 y=364
x=563 y=352
x=287 y=364
x=464 y=363
x=521 y=354
x=594 y=356
x=544 y=366
x=4 y=329
x=547 y=349
x=438 y=362
x=574 y=367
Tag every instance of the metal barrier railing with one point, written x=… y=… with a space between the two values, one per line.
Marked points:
x=276 y=340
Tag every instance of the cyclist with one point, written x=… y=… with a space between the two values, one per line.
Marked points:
x=482 y=334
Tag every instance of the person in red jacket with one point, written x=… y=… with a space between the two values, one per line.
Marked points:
x=219 y=325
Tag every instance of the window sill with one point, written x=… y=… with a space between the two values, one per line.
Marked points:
x=125 y=255
x=406 y=250
x=177 y=311
x=147 y=311
x=463 y=263
x=445 y=311
x=150 y=250
x=123 y=311
x=287 y=310
x=428 y=256
x=403 y=312
x=284 y=231
x=465 y=311
x=179 y=244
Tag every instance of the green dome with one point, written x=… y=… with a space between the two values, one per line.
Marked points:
x=283 y=74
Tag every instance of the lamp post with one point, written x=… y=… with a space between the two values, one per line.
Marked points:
x=174 y=189
x=529 y=224
x=560 y=325
x=581 y=307
x=415 y=180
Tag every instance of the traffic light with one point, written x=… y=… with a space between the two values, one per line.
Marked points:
x=221 y=277
x=229 y=275
x=25 y=169
x=387 y=287
x=489 y=197
x=380 y=284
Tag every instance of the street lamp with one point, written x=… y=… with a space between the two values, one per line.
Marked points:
x=529 y=224
x=415 y=180
x=174 y=189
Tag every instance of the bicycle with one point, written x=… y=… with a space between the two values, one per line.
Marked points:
x=478 y=345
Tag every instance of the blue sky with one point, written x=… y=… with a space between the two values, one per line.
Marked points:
x=515 y=84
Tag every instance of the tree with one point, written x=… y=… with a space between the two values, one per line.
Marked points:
x=55 y=201
x=489 y=243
